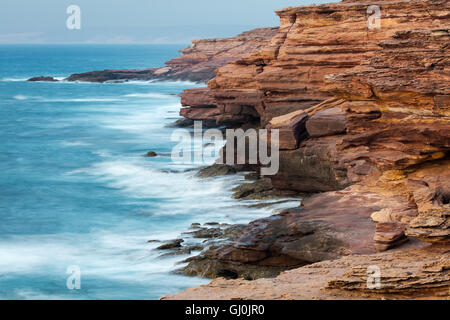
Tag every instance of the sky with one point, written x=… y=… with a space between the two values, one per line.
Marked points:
x=135 y=21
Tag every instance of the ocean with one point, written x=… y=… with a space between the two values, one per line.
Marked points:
x=74 y=187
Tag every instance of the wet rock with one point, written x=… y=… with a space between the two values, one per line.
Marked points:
x=176 y=252
x=211 y=223
x=171 y=244
x=252 y=176
x=151 y=154
x=42 y=78
x=204 y=267
x=233 y=232
x=247 y=189
x=195 y=247
x=206 y=233
x=182 y=123
x=216 y=170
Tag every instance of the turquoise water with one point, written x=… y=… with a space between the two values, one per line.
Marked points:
x=74 y=188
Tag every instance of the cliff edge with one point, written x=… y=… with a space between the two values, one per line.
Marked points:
x=364 y=118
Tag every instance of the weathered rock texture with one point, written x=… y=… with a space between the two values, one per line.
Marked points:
x=312 y=42
x=362 y=111
x=197 y=62
x=404 y=274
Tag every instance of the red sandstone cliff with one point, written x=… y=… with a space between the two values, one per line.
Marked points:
x=363 y=115
x=313 y=41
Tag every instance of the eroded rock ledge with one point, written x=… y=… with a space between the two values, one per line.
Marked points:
x=412 y=274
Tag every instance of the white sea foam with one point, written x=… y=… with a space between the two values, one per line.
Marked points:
x=75 y=143
x=60 y=79
x=114 y=254
x=83 y=100
x=43 y=99
x=14 y=79
x=142 y=120
x=180 y=192
x=122 y=253
x=20 y=97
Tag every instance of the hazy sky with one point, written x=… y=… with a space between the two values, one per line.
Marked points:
x=136 y=21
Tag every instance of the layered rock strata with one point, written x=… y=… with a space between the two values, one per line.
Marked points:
x=312 y=42
x=380 y=134
x=421 y=273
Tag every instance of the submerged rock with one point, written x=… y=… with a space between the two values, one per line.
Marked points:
x=171 y=244
x=261 y=189
x=42 y=78
x=206 y=233
x=182 y=123
x=151 y=154
x=216 y=170
x=252 y=176
x=247 y=189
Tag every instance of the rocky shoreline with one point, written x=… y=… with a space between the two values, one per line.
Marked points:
x=364 y=122
x=364 y=118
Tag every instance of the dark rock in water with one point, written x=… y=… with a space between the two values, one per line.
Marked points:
x=246 y=189
x=42 y=78
x=262 y=189
x=195 y=225
x=176 y=252
x=113 y=75
x=171 y=244
x=195 y=247
x=211 y=224
x=202 y=266
x=153 y=241
x=216 y=170
x=206 y=233
x=151 y=154
x=252 y=176
x=233 y=232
